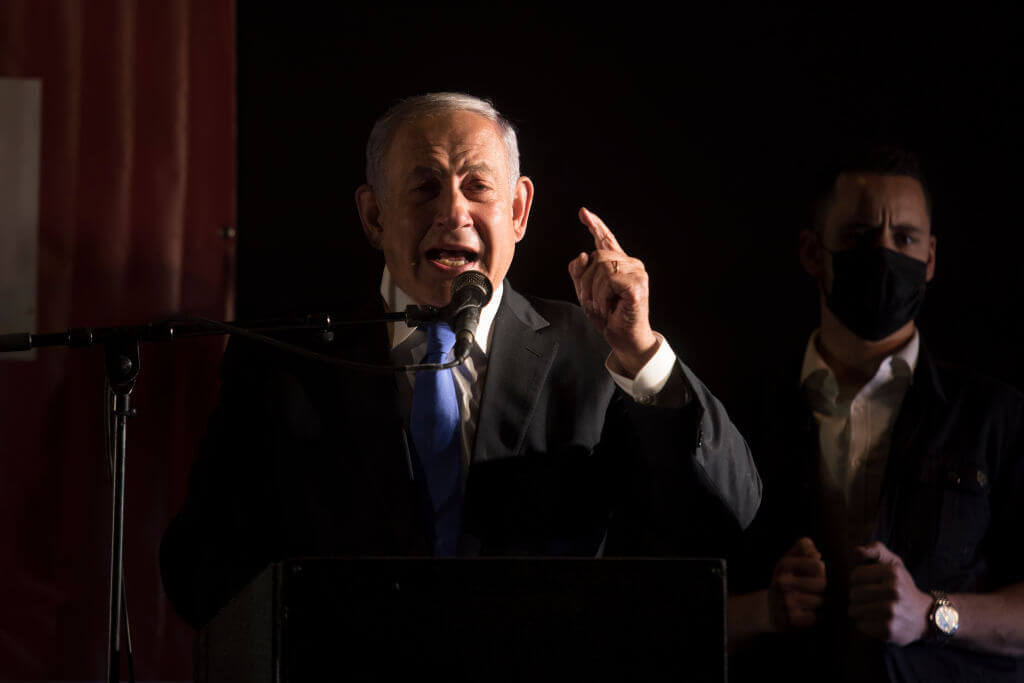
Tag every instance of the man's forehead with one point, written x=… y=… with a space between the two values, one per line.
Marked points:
x=453 y=140
x=869 y=197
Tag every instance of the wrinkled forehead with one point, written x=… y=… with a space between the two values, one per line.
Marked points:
x=875 y=199
x=451 y=142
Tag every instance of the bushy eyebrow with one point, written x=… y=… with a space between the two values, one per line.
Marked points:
x=481 y=169
x=908 y=227
x=421 y=172
x=867 y=227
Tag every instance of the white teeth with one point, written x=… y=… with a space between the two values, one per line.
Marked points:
x=452 y=262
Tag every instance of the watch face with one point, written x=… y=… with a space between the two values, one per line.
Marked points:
x=947 y=619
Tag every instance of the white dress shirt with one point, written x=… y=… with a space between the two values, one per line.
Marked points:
x=409 y=344
x=854 y=435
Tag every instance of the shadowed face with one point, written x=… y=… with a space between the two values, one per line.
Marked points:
x=447 y=206
x=871 y=254
x=887 y=211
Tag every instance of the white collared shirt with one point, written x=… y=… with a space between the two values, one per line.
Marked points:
x=409 y=344
x=854 y=436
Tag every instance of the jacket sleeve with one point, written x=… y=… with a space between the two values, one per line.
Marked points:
x=225 y=532
x=691 y=484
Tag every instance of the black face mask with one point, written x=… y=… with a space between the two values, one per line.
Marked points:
x=876 y=291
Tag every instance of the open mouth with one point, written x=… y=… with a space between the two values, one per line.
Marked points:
x=451 y=258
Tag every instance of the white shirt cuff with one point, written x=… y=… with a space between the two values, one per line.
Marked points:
x=651 y=379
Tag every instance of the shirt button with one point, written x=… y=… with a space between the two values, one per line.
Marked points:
x=645 y=399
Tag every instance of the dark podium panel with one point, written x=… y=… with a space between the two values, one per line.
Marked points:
x=472 y=620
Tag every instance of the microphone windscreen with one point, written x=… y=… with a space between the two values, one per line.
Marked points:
x=476 y=280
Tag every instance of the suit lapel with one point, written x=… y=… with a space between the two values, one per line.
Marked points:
x=522 y=350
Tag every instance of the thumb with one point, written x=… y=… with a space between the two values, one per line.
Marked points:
x=804 y=547
x=578 y=265
x=877 y=552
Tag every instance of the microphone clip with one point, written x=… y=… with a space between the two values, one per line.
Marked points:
x=418 y=316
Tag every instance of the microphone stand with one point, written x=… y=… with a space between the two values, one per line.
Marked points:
x=122 y=363
x=121 y=353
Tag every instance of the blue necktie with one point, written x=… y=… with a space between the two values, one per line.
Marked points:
x=434 y=423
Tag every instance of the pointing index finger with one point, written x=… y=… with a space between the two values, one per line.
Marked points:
x=603 y=237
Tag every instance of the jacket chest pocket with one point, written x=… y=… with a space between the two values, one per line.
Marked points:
x=964 y=517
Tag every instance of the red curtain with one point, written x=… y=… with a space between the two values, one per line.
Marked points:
x=137 y=190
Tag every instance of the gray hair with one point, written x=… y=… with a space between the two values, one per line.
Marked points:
x=432 y=104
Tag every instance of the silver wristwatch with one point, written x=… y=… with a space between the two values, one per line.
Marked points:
x=943 y=617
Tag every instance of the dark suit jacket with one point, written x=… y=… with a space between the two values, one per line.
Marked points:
x=303 y=459
x=951 y=503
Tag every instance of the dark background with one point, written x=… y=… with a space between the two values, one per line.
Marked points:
x=694 y=134
x=691 y=131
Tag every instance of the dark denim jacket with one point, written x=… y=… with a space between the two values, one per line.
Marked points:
x=951 y=502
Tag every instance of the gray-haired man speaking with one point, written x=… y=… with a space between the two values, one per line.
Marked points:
x=567 y=431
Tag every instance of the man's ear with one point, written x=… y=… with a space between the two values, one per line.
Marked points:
x=369 y=214
x=930 y=270
x=812 y=256
x=522 y=200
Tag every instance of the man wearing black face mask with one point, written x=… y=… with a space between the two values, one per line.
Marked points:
x=895 y=483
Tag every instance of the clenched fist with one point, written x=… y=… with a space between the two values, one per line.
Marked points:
x=885 y=603
x=798 y=587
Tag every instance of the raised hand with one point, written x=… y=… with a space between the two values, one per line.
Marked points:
x=612 y=288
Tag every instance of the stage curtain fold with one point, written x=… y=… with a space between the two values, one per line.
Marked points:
x=137 y=188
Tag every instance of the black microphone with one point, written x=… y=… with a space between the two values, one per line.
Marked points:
x=470 y=292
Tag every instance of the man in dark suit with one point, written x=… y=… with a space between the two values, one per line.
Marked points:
x=894 y=485
x=530 y=447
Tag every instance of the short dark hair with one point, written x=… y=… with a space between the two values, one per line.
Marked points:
x=875 y=159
